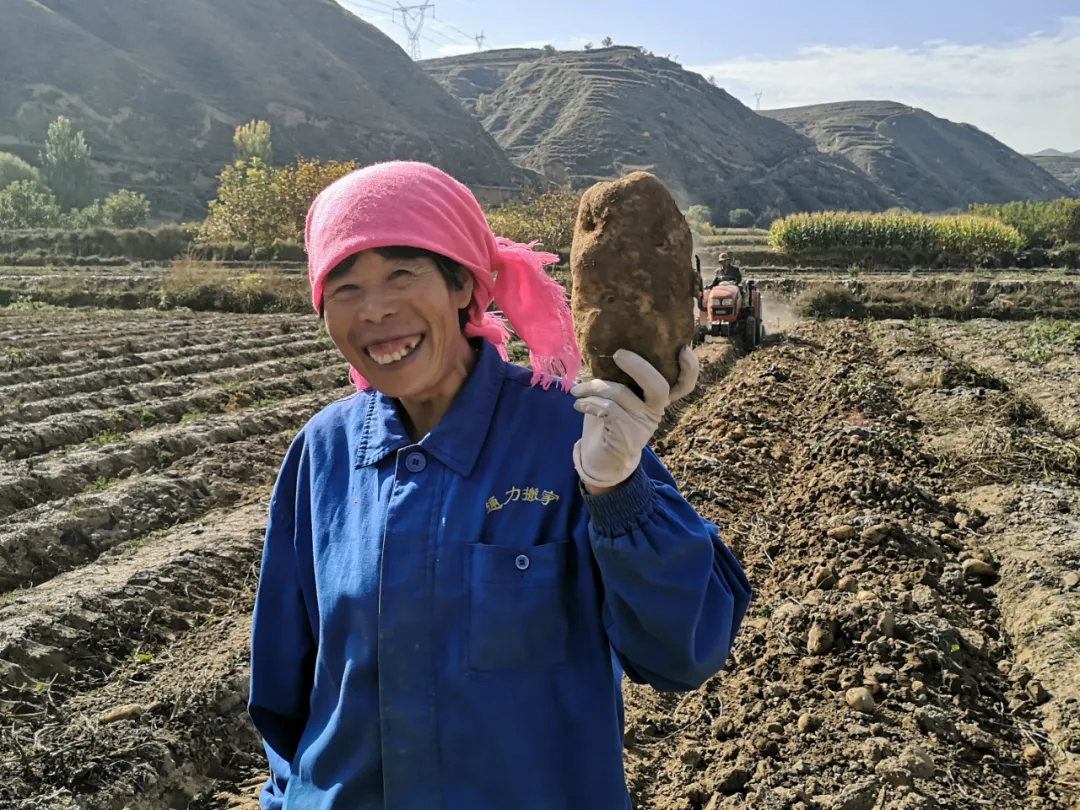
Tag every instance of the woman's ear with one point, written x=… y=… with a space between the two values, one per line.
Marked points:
x=463 y=297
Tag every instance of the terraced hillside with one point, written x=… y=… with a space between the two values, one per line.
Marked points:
x=583 y=116
x=926 y=162
x=159 y=87
x=1065 y=168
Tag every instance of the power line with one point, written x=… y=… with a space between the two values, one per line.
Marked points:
x=480 y=41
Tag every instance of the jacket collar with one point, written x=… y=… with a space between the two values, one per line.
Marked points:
x=457 y=440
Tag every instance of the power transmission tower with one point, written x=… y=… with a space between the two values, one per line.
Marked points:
x=757 y=98
x=480 y=41
x=412 y=18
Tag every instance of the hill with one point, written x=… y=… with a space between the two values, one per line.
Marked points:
x=926 y=162
x=584 y=116
x=158 y=88
x=1055 y=153
x=1065 y=168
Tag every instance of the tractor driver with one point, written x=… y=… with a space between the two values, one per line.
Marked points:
x=726 y=271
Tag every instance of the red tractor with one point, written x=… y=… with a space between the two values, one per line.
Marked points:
x=730 y=310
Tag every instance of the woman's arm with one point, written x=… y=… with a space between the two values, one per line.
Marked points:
x=674 y=595
x=283 y=645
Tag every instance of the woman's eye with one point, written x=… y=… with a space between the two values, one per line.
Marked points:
x=400 y=273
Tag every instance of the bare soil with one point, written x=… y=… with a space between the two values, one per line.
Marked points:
x=902 y=495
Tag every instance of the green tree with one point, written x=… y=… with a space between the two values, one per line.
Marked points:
x=126 y=209
x=607 y=42
x=250 y=206
x=14 y=168
x=25 y=204
x=698 y=216
x=549 y=50
x=252 y=140
x=588 y=46
x=66 y=167
x=741 y=217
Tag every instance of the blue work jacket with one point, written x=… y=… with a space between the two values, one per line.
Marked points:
x=437 y=624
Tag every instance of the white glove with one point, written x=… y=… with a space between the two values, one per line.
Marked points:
x=618 y=424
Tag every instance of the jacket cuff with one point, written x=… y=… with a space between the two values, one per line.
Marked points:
x=617 y=511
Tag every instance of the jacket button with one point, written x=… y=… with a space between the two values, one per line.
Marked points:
x=415 y=462
x=522 y=562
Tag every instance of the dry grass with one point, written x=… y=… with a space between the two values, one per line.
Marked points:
x=996 y=453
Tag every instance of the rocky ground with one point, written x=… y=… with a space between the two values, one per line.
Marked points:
x=903 y=495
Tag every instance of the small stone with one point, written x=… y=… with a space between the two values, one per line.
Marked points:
x=692 y=757
x=1033 y=755
x=774 y=690
x=1020 y=675
x=863 y=796
x=129 y=711
x=876 y=749
x=916 y=760
x=824 y=578
x=808 y=723
x=775 y=728
x=848 y=585
x=859 y=699
x=821 y=638
x=951 y=541
x=976 y=737
x=733 y=780
x=893 y=772
x=934 y=721
x=723 y=728
x=886 y=624
x=875 y=534
x=1038 y=693
x=1070 y=580
x=984 y=554
x=865 y=596
x=842 y=533
x=752 y=443
x=881 y=674
x=979 y=569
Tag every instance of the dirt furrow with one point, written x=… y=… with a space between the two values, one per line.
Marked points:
x=867 y=673
x=17 y=441
x=138 y=368
x=70 y=357
x=67 y=472
x=129 y=677
x=38 y=543
x=1016 y=487
x=67 y=329
x=122 y=395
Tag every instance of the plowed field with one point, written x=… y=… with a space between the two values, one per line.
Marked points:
x=904 y=495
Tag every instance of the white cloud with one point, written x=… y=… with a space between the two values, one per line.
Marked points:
x=1025 y=93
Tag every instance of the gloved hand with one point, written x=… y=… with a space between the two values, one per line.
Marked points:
x=618 y=423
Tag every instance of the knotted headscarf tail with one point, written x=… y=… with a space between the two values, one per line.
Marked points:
x=417 y=205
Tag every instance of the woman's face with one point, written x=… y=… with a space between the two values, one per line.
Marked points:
x=396 y=321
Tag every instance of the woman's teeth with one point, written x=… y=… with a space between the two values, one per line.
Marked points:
x=384 y=358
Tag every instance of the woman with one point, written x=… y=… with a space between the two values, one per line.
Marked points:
x=458 y=554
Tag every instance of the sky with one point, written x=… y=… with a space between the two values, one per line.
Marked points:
x=1009 y=67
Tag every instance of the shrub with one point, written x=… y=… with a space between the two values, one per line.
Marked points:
x=25 y=204
x=1042 y=224
x=968 y=235
x=13 y=169
x=741 y=217
x=547 y=217
x=126 y=209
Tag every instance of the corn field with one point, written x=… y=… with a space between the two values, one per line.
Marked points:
x=915 y=233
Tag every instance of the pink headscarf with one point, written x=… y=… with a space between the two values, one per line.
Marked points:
x=416 y=205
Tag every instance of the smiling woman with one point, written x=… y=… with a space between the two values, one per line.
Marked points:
x=463 y=557
x=397 y=314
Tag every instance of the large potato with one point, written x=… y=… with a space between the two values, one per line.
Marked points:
x=632 y=276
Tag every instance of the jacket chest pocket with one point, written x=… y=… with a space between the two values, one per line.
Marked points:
x=518 y=605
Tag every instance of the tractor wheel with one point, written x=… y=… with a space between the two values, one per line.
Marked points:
x=750 y=332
